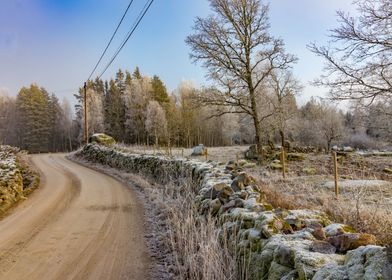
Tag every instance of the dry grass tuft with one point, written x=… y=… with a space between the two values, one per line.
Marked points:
x=199 y=252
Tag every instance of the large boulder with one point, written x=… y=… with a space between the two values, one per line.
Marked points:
x=102 y=139
x=199 y=150
x=367 y=262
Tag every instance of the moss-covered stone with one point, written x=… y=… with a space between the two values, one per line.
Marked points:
x=102 y=139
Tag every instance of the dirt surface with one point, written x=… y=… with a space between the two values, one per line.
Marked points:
x=80 y=224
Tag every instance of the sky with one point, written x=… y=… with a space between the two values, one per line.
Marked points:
x=56 y=43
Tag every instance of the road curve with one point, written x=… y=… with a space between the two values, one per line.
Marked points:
x=80 y=224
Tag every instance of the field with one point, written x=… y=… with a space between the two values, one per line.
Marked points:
x=365 y=186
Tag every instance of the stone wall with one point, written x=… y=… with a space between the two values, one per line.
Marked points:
x=276 y=243
x=16 y=179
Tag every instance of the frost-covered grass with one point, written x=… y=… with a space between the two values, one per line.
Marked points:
x=219 y=154
x=362 y=208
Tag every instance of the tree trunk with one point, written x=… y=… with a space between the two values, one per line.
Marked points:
x=328 y=145
x=282 y=137
x=257 y=125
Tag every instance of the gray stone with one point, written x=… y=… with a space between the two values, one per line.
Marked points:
x=365 y=263
x=337 y=229
x=199 y=150
x=251 y=153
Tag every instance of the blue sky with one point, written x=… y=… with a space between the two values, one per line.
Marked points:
x=56 y=43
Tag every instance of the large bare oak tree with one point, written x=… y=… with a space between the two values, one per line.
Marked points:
x=239 y=54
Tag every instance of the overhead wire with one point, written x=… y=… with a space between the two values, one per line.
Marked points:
x=111 y=39
x=128 y=36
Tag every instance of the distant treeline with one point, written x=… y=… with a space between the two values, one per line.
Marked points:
x=137 y=109
x=36 y=121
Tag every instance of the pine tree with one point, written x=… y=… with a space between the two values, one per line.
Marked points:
x=56 y=130
x=159 y=91
x=33 y=119
x=136 y=74
x=115 y=110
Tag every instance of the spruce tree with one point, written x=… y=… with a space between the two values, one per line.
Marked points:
x=33 y=119
x=136 y=74
x=158 y=91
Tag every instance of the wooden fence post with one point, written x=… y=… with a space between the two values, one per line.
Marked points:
x=282 y=160
x=182 y=152
x=206 y=154
x=237 y=159
x=335 y=167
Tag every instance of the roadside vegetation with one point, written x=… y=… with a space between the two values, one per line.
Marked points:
x=17 y=178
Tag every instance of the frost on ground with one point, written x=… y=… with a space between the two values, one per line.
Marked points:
x=267 y=241
x=16 y=178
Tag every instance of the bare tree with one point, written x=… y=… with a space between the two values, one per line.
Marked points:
x=235 y=46
x=331 y=124
x=285 y=87
x=359 y=55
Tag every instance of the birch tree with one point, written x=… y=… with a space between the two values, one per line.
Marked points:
x=156 y=124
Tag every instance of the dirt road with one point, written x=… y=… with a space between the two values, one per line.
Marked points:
x=79 y=224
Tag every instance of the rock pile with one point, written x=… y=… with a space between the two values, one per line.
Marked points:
x=276 y=243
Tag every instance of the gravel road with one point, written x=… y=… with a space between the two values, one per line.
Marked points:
x=80 y=224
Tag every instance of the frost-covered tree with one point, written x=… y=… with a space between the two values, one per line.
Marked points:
x=95 y=111
x=136 y=99
x=358 y=58
x=7 y=120
x=156 y=124
x=236 y=48
x=66 y=124
x=284 y=89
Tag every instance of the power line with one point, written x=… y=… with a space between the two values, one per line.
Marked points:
x=111 y=39
x=135 y=25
